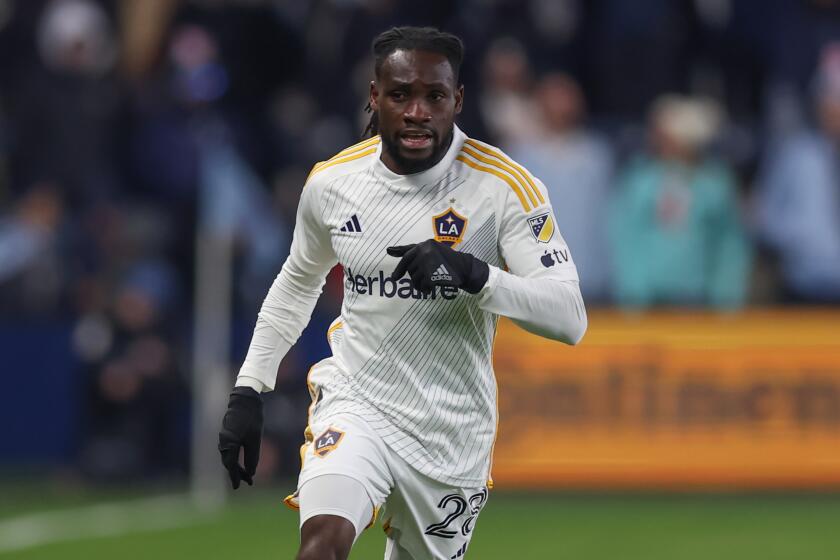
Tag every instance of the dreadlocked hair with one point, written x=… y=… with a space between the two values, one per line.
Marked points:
x=412 y=38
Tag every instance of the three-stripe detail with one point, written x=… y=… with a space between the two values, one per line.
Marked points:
x=355 y=151
x=460 y=553
x=352 y=225
x=482 y=157
x=441 y=274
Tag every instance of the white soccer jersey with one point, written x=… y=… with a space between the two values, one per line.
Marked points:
x=418 y=367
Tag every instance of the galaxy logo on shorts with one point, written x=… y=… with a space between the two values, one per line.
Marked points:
x=328 y=441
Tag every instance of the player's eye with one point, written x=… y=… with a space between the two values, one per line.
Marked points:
x=436 y=96
x=398 y=95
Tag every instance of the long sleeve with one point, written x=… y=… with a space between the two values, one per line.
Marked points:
x=288 y=306
x=544 y=306
x=540 y=291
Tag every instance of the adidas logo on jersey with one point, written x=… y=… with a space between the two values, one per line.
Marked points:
x=441 y=274
x=352 y=225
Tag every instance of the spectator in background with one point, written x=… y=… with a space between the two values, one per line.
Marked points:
x=31 y=262
x=798 y=202
x=676 y=234
x=188 y=147
x=576 y=167
x=63 y=113
x=137 y=392
x=506 y=103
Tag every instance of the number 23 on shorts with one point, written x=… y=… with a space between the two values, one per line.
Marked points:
x=460 y=515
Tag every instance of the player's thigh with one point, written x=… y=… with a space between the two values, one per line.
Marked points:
x=344 y=453
x=331 y=496
x=427 y=519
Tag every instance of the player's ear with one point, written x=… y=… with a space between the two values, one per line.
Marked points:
x=374 y=96
x=459 y=99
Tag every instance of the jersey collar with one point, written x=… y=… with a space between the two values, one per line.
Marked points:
x=429 y=176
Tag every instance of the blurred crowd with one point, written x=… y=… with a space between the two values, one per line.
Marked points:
x=691 y=149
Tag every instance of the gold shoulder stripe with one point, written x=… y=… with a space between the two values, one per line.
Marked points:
x=498 y=155
x=372 y=141
x=352 y=150
x=513 y=185
x=368 y=142
x=345 y=159
x=312 y=171
x=355 y=148
x=505 y=168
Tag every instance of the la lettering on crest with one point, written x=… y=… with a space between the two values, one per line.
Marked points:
x=328 y=441
x=451 y=229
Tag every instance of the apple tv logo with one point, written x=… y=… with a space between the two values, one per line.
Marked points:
x=555 y=257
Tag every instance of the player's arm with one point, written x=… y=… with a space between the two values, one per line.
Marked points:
x=546 y=306
x=288 y=306
x=540 y=290
x=284 y=314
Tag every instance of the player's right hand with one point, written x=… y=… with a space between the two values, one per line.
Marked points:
x=242 y=428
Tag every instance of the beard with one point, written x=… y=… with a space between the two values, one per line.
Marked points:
x=410 y=166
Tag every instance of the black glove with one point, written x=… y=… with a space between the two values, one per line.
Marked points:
x=242 y=427
x=431 y=264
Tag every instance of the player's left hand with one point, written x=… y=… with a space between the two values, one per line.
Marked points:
x=432 y=264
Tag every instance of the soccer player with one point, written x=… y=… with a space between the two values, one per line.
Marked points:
x=438 y=235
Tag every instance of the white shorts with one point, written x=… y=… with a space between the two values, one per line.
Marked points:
x=423 y=518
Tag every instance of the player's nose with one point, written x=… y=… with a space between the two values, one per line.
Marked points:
x=417 y=111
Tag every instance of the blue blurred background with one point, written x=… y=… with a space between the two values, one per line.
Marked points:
x=717 y=119
x=691 y=149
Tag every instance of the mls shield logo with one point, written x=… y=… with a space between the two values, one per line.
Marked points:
x=449 y=227
x=328 y=441
x=542 y=227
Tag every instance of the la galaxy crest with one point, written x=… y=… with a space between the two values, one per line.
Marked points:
x=328 y=441
x=449 y=227
x=542 y=227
